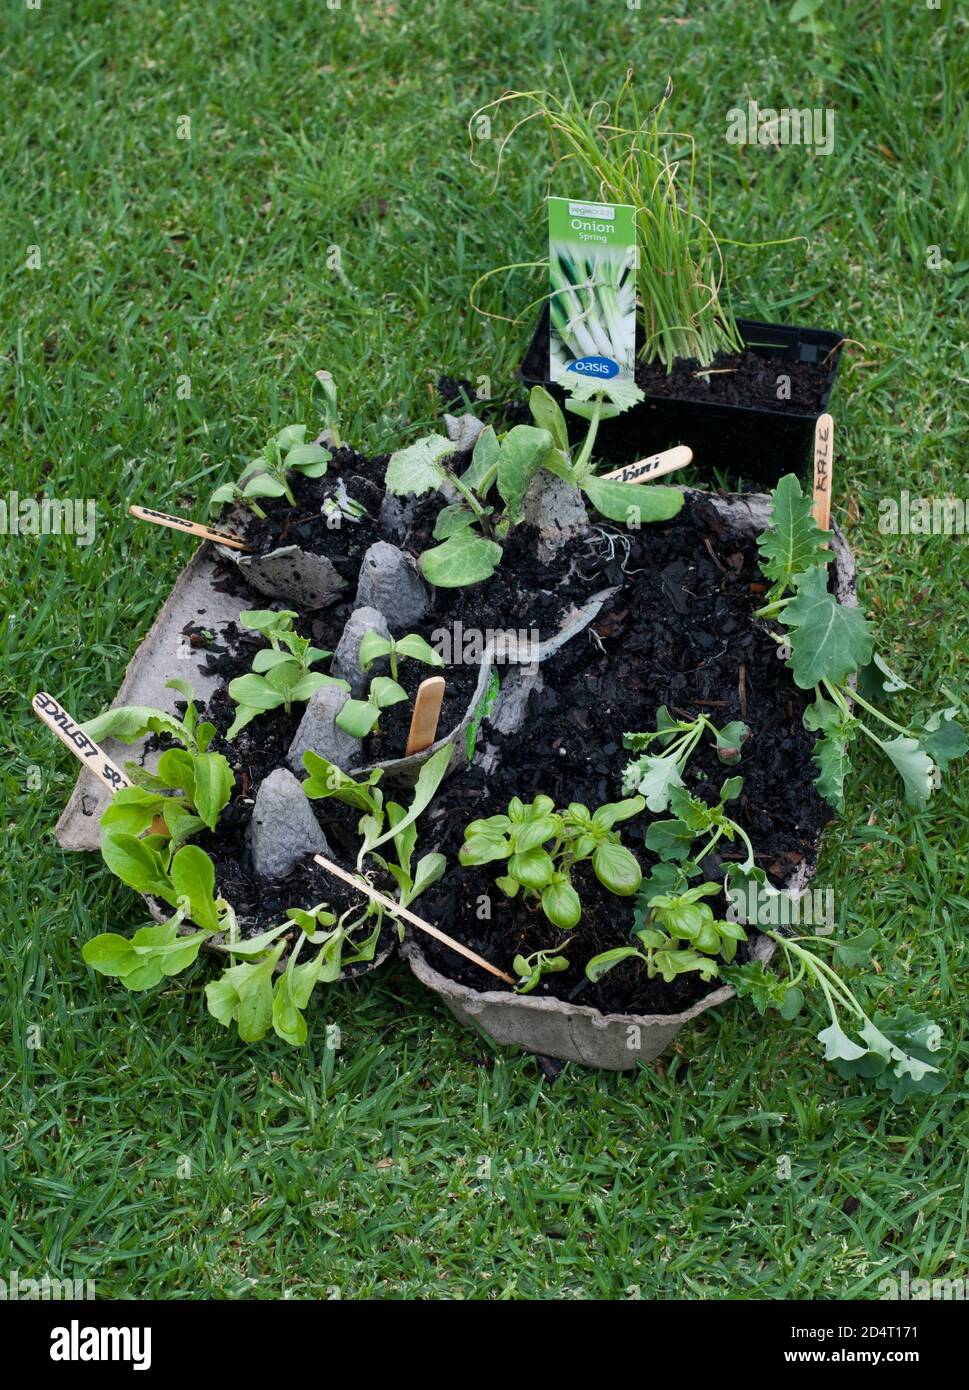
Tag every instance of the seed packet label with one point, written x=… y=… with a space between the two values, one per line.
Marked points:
x=592 y=289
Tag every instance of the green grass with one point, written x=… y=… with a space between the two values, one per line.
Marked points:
x=415 y=1160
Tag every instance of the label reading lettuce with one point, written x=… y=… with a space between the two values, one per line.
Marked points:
x=592 y=289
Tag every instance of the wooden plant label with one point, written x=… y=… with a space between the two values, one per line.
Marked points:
x=823 y=467
x=91 y=754
x=191 y=528
x=654 y=467
x=427 y=711
x=408 y=916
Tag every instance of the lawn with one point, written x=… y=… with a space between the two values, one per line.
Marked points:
x=203 y=203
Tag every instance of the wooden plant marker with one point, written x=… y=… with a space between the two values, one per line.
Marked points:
x=191 y=528
x=427 y=711
x=91 y=754
x=823 y=468
x=408 y=916
x=653 y=467
x=87 y=752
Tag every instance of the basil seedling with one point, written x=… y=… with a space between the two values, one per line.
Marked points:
x=541 y=846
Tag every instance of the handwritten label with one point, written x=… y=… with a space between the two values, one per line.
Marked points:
x=190 y=528
x=823 y=469
x=653 y=467
x=72 y=736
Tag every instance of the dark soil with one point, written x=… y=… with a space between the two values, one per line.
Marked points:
x=679 y=634
x=745 y=378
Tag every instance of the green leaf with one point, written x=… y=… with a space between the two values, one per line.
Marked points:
x=138 y=865
x=632 y=503
x=214 y=780
x=385 y=692
x=418 y=650
x=357 y=718
x=621 y=391
x=256 y=692
x=837 y=1044
x=856 y=950
x=522 y=453
x=831 y=758
x=372 y=648
x=533 y=868
x=654 y=778
x=245 y=993
x=417 y=469
x=548 y=416
x=428 y=780
x=455 y=517
x=560 y=903
x=878 y=678
x=616 y=868
x=193 y=878
x=670 y=839
x=128 y=723
x=730 y=740
x=943 y=738
x=914 y=766
x=793 y=541
x=612 y=812
x=326 y=779
x=308 y=459
x=828 y=641
x=132 y=809
x=109 y=954
x=465 y=558
x=483 y=467
x=598 y=965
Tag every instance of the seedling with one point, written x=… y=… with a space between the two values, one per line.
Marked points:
x=189 y=788
x=373 y=647
x=358 y=718
x=541 y=847
x=678 y=934
x=898 y=1054
x=530 y=969
x=633 y=159
x=673 y=839
x=266 y=475
x=829 y=646
x=324 y=400
x=655 y=775
x=286 y=663
x=471 y=529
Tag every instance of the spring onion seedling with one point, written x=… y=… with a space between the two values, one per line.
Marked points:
x=280 y=673
x=540 y=847
x=830 y=645
x=631 y=158
x=655 y=775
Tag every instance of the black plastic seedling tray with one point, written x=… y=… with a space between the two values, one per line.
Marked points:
x=752 y=442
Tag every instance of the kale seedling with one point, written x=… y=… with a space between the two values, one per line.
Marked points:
x=265 y=476
x=829 y=645
x=654 y=775
x=280 y=673
x=898 y=1053
x=542 y=845
x=673 y=839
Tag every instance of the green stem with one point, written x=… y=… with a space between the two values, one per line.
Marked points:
x=586 y=451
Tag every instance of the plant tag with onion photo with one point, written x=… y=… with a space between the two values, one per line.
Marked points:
x=592 y=289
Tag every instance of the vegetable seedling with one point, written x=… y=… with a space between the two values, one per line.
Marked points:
x=530 y=969
x=281 y=672
x=830 y=645
x=266 y=475
x=541 y=846
x=358 y=718
x=373 y=647
x=654 y=775
x=661 y=923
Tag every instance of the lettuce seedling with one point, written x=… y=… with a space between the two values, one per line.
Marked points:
x=153 y=953
x=530 y=969
x=373 y=647
x=280 y=673
x=830 y=646
x=265 y=475
x=189 y=788
x=541 y=846
x=898 y=1054
x=661 y=922
x=654 y=775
